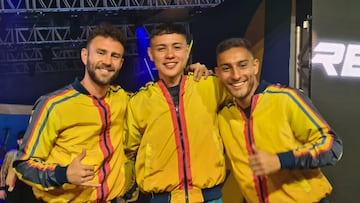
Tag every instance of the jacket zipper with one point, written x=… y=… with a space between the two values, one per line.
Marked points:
x=106 y=146
x=183 y=154
x=262 y=198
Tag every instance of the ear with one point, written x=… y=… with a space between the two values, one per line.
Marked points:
x=121 y=62
x=256 y=66
x=150 y=54
x=217 y=71
x=84 y=55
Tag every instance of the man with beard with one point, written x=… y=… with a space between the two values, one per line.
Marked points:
x=72 y=150
x=274 y=137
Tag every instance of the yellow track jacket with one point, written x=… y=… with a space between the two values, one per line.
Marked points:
x=62 y=124
x=284 y=122
x=177 y=150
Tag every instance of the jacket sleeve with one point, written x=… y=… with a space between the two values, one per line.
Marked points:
x=30 y=165
x=321 y=146
x=221 y=95
x=132 y=134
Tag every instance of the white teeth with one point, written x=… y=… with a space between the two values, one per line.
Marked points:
x=238 y=84
x=105 y=70
x=170 y=65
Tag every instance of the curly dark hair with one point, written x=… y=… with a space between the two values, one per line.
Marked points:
x=167 y=28
x=107 y=30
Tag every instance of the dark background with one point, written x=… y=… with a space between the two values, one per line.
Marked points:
x=338 y=97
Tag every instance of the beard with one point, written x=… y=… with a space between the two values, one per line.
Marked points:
x=91 y=68
x=243 y=99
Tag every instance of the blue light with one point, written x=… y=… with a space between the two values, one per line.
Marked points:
x=146 y=70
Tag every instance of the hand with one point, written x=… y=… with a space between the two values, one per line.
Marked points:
x=199 y=71
x=2 y=194
x=11 y=188
x=79 y=174
x=263 y=162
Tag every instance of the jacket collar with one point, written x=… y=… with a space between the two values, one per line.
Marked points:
x=262 y=86
x=79 y=87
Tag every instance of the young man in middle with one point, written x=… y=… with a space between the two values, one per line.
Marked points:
x=172 y=131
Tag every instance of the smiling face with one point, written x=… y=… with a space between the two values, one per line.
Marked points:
x=169 y=52
x=237 y=69
x=103 y=59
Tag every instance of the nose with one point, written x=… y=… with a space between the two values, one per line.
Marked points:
x=236 y=73
x=107 y=60
x=169 y=53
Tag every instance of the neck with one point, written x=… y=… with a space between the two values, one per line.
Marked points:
x=171 y=82
x=243 y=104
x=94 y=89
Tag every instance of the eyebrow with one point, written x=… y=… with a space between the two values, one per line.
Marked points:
x=104 y=50
x=100 y=49
x=176 y=43
x=241 y=61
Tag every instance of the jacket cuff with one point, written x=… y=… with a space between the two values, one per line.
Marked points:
x=60 y=175
x=287 y=160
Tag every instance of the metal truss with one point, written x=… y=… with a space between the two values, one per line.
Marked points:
x=31 y=6
x=36 y=43
x=28 y=54
x=38 y=54
x=41 y=35
x=15 y=55
x=59 y=35
x=20 y=50
x=40 y=67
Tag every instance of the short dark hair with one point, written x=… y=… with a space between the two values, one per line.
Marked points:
x=20 y=135
x=107 y=30
x=232 y=43
x=168 y=28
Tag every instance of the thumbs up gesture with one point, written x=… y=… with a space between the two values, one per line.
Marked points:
x=263 y=163
x=79 y=174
